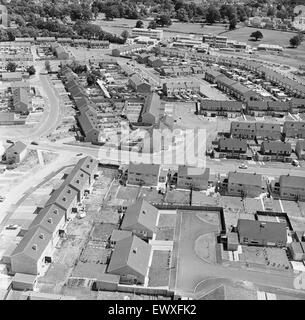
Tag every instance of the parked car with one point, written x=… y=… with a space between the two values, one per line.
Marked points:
x=243 y=166
x=34 y=143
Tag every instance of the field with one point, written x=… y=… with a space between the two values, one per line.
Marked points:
x=270 y=36
x=166 y=227
x=118 y=25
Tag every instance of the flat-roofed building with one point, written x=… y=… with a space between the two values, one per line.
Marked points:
x=215 y=41
x=193 y=178
x=151 y=33
x=143 y=174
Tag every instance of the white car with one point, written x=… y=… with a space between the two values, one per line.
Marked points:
x=243 y=166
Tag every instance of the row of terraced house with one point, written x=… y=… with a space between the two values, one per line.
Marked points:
x=87 y=115
x=36 y=248
x=291 y=86
x=257 y=108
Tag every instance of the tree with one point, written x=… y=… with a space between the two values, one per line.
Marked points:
x=256 y=35
x=91 y=79
x=233 y=22
x=163 y=20
x=140 y=24
x=152 y=25
x=212 y=15
x=11 y=67
x=295 y=41
x=125 y=34
x=112 y=12
x=31 y=70
x=182 y=15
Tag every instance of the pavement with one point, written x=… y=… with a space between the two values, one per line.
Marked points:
x=206 y=276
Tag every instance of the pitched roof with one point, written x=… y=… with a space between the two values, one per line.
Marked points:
x=130 y=252
x=292 y=181
x=232 y=144
x=276 y=146
x=245 y=178
x=48 y=218
x=193 y=171
x=144 y=168
x=34 y=242
x=87 y=165
x=77 y=179
x=259 y=230
x=63 y=197
x=152 y=105
x=17 y=147
x=142 y=213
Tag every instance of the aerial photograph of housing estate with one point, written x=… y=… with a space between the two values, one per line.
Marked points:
x=152 y=150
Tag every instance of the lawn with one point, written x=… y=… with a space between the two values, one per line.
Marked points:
x=167 y=220
x=178 y=197
x=252 y=205
x=291 y=208
x=269 y=36
x=127 y=193
x=201 y=199
x=118 y=25
x=159 y=272
x=151 y=195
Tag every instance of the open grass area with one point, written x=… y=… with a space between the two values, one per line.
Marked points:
x=252 y=205
x=269 y=36
x=291 y=208
x=159 y=272
x=199 y=198
x=150 y=194
x=118 y=25
x=167 y=220
x=166 y=227
x=178 y=197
